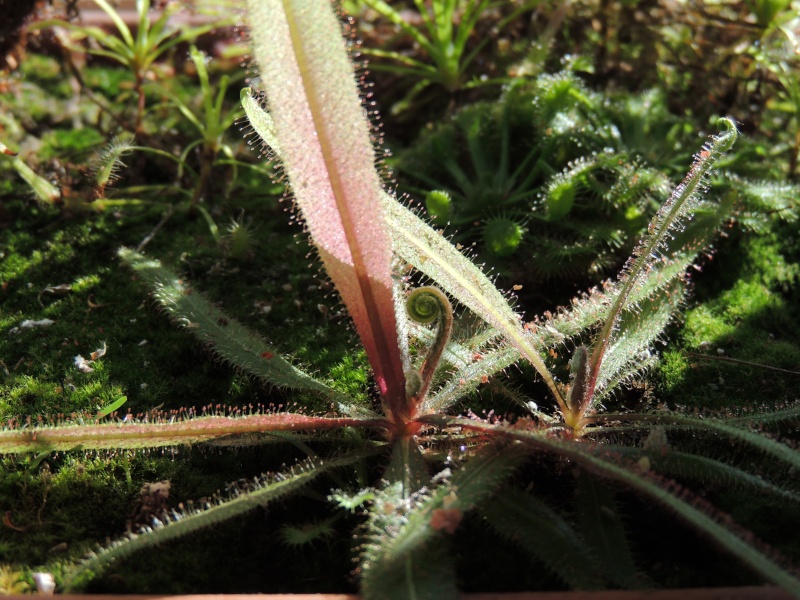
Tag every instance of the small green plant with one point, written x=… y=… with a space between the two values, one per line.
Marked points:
x=447 y=38
x=769 y=12
x=368 y=241
x=238 y=240
x=784 y=69
x=212 y=124
x=136 y=52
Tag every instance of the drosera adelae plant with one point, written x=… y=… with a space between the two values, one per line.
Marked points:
x=317 y=128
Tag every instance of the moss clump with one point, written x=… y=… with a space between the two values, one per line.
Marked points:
x=748 y=317
x=62 y=143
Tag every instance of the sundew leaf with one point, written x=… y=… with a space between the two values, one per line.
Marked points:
x=471 y=484
x=603 y=462
x=766 y=418
x=775 y=198
x=324 y=137
x=158 y=431
x=428 y=573
x=110 y=160
x=422 y=246
x=468 y=377
x=309 y=532
x=641 y=327
x=226 y=337
x=457 y=353
x=586 y=313
x=403 y=554
x=175 y=524
x=407 y=467
x=649 y=310
x=260 y=120
x=545 y=535
x=734 y=428
x=704 y=469
x=604 y=532
x=653 y=250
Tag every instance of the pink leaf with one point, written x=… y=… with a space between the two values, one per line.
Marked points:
x=325 y=145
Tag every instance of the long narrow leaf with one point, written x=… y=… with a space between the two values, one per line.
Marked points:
x=325 y=145
x=226 y=337
x=545 y=535
x=153 y=431
x=174 y=525
x=650 y=251
x=403 y=554
x=123 y=29
x=604 y=531
x=763 y=443
x=706 y=470
x=601 y=462
x=390 y=13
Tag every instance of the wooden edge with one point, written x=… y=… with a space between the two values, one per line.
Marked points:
x=731 y=593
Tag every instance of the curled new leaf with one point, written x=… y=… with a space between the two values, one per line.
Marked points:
x=426 y=305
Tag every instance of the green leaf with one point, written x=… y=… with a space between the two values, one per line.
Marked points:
x=601 y=526
x=731 y=428
x=652 y=250
x=408 y=467
x=223 y=334
x=545 y=535
x=420 y=518
x=705 y=470
x=602 y=463
x=116 y=405
x=157 y=431
x=308 y=533
x=427 y=250
x=404 y=553
x=468 y=377
x=171 y=526
x=45 y=191
x=123 y=29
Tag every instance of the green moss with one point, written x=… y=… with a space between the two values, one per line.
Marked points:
x=61 y=143
x=148 y=359
x=744 y=325
x=350 y=376
x=46 y=71
x=109 y=81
